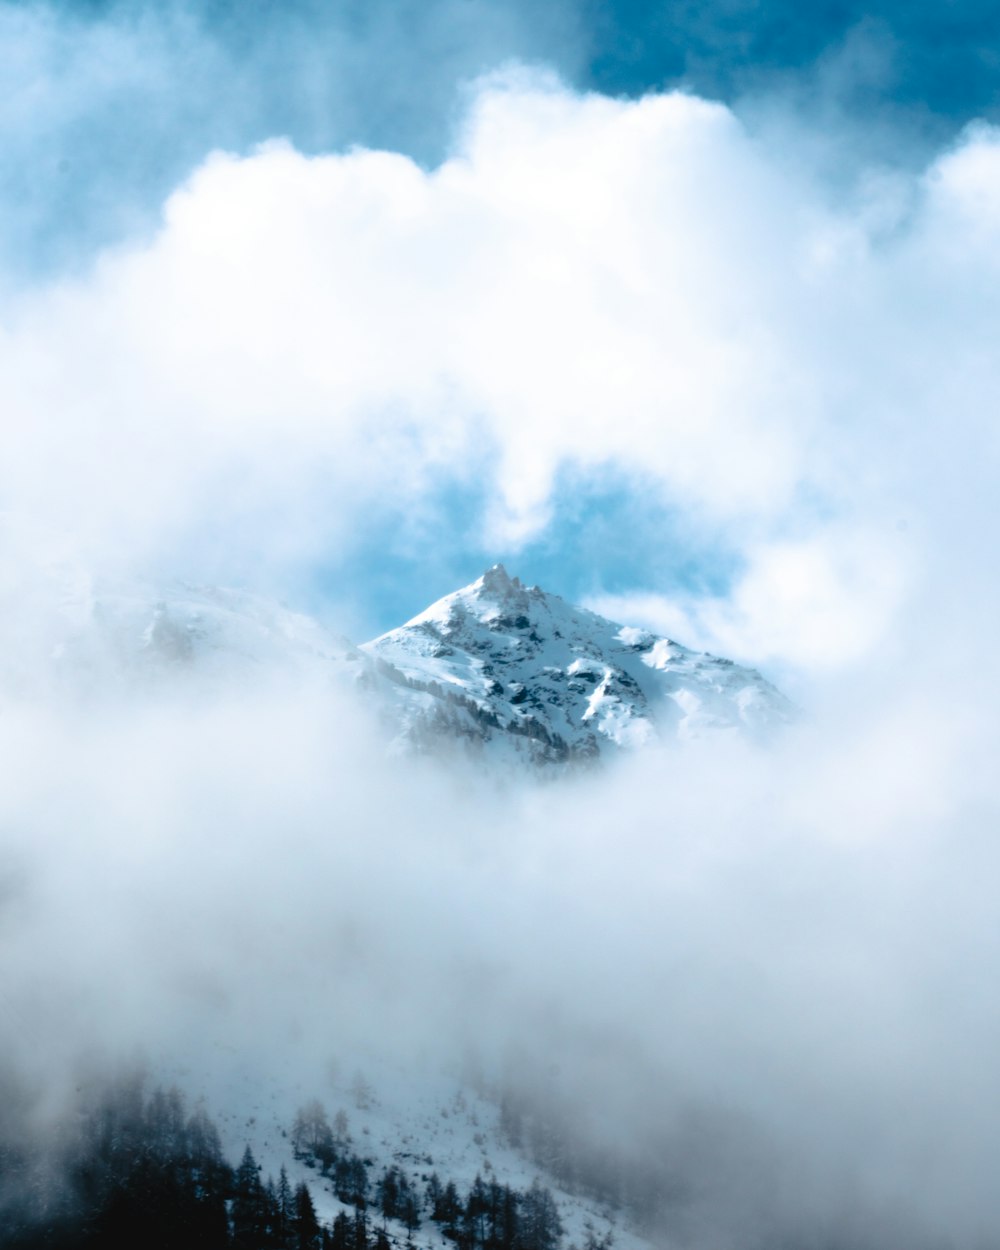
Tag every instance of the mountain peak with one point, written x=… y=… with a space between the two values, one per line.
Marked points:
x=496 y=573
x=512 y=665
x=496 y=588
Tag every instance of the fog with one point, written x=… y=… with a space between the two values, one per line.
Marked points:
x=773 y=968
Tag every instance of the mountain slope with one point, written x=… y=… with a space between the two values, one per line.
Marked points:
x=503 y=672
x=512 y=665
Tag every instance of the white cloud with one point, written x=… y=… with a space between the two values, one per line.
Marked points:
x=815 y=603
x=585 y=282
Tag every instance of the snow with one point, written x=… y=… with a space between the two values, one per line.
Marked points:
x=560 y=682
x=502 y=672
x=418 y=1117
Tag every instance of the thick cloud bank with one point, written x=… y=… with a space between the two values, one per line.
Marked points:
x=806 y=376
x=776 y=969
x=765 y=977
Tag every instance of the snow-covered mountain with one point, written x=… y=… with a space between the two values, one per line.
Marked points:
x=77 y=635
x=503 y=672
x=509 y=667
x=206 y=629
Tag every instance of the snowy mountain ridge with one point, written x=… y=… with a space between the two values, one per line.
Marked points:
x=502 y=672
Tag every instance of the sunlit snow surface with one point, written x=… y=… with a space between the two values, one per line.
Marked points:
x=567 y=682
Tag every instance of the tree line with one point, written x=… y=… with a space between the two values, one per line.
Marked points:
x=138 y=1169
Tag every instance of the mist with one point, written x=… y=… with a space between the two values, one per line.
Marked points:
x=767 y=972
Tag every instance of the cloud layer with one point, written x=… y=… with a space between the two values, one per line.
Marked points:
x=805 y=373
x=766 y=976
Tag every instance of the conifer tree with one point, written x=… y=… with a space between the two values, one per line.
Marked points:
x=342 y=1233
x=249 y=1208
x=285 y=1204
x=540 y=1226
x=508 y=1223
x=408 y=1205
x=476 y=1206
x=387 y=1194
x=434 y=1191
x=449 y=1209
x=305 y=1224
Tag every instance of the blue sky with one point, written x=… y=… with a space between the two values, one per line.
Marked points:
x=110 y=105
x=831 y=121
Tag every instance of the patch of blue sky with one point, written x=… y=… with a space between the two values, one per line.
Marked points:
x=612 y=533
x=608 y=533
